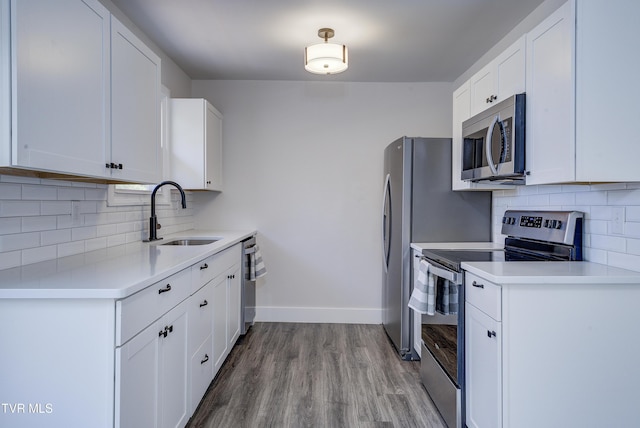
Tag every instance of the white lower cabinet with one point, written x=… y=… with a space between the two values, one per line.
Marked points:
x=163 y=371
x=483 y=337
x=151 y=374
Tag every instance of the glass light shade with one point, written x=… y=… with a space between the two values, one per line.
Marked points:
x=326 y=58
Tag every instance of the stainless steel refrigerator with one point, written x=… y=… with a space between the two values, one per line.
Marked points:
x=419 y=206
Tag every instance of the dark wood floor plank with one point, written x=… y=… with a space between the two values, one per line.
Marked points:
x=316 y=375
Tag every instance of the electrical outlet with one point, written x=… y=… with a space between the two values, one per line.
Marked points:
x=617 y=220
x=75 y=213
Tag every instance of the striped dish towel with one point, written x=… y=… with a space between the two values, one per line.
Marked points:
x=423 y=297
x=446 y=297
x=255 y=268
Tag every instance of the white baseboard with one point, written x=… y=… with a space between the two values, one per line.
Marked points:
x=319 y=315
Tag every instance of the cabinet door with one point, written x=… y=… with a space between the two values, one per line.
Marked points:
x=234 y=283
x=482 y=89
x=137 y=381
x=213 y=150
x=135 y=108
x=220 y=319
x=173 y=368
x=483 y=365
x=550 y=149
x=509 y=68
x=61 y=85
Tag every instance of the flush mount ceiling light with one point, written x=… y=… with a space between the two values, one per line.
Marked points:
x=326 y=58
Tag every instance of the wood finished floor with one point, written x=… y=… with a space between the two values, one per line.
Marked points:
x=316 y=375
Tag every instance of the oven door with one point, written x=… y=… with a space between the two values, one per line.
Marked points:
x=442 y=346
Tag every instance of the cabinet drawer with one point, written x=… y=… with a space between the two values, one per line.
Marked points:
x=484 y=295
x=138 y=311
x=213 y=266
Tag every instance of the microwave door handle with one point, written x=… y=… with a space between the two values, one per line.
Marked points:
x=488 y=152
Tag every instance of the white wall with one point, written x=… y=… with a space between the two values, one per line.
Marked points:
x=303 y=164
x=603 y=243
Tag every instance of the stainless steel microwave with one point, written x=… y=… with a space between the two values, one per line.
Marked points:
x=493 y=143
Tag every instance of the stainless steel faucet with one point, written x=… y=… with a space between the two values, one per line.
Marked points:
x=153 y=220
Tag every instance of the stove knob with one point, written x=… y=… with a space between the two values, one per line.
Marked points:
x=559 y=224
x=546 y=223
x=505 y=220
x=512 y=220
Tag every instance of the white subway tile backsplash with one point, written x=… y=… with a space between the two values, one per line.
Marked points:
x=36 y=221
x=10 y=225
x=19 y=208
x=33 y=224
x=113 y=240
x=601 y=245
x=83 y=233
x=56 y=207
x=51 y=237
x=39 y=193
x=40 y=254
x=592 y=198
x=71 y=194
x=632 y=213
x=95 y=244
x=70 y=248
x=19 y=241
x=106 y=229
x=11 y=191
x=10 y=259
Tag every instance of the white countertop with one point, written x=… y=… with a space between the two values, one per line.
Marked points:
x=114 y=272
x=535 y=272
x=456 y=246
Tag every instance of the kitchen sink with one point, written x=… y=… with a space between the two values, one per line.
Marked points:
x=191 y=241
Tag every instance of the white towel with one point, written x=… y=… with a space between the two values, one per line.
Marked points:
x=423 y=297
x=255 y=268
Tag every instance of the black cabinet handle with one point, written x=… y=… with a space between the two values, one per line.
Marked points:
x=491 y=333
x=164 y=290
x=166 y=331
x=204 y=266
x=477 y=284
x=206 y=358
x=205 y=303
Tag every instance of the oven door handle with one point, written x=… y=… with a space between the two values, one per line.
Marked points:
x=454 y=277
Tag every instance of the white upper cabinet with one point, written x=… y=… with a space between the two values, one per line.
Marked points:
x=135 y=107
x=84 y=93
x=60 y=73
x=196 y=144
x=501 y=78
x=581 y=127
x=498 y=80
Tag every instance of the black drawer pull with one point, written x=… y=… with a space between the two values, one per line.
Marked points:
x=205 y=303
x=477 y=284
x=204 y=266
x=206 y=358
x=491 y=333
x=164 y=290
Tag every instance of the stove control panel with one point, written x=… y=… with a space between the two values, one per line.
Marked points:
x=551 y=226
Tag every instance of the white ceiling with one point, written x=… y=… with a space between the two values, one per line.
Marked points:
x=388 y=40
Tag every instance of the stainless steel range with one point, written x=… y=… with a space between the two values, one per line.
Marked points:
x=531 y=235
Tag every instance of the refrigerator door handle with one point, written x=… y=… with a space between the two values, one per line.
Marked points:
x=386 y=220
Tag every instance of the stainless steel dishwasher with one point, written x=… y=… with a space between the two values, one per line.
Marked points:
x=248 y=292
